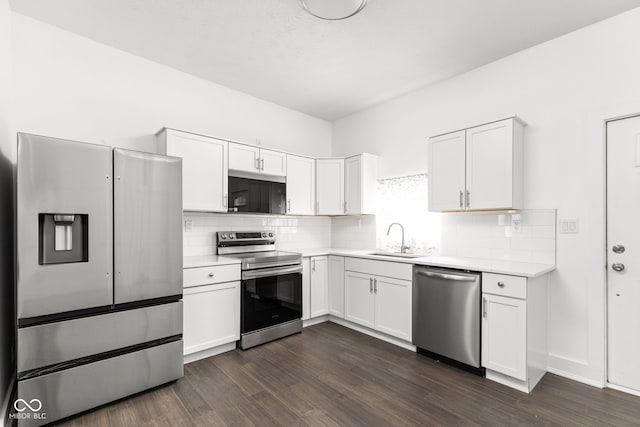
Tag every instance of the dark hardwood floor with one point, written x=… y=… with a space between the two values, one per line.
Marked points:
x=330 y=375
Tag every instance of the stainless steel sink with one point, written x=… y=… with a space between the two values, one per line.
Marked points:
x=397 y=254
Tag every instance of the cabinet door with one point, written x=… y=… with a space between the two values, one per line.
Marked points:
x=490 y=166
x=244 y=157
x=273 y=162
x=330 y=186
x=301 y=185
x=359 y=298
x=504 y=335
x=204 y=170
x=211 y=316
x=447 y=172
x=319 y=286
x=393 y=307
x=353 y=185
x=306 y=288
x=336 y=286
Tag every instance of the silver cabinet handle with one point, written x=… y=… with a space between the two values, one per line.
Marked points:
x=461 y=202
x=345 y=206
x=618 y=249
x=484 y=308
x=210 y=274
x=289 y=206
x=501 y=284
x=314 y=265
x=375 y=285
x=256 y=163
x=618 y=266
x=468 y=198
x=262 y=161
x=370 y=284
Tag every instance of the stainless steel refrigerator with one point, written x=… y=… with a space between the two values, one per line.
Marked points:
x=99 y=276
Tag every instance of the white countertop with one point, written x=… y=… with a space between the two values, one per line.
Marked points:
x=207 y=261
x=514 y=268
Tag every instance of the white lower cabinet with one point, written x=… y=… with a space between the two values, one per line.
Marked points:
x=319 y=284
x=211 y=316
x=377 y=301
x=514 y=329
x=336 y=286
x=306 y=288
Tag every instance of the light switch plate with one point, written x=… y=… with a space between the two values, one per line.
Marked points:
x=188 y=225
x=569 y=226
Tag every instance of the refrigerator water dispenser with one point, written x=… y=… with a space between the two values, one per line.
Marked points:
x=63 y=238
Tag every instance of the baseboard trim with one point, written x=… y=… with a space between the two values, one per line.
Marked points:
x=623 y=389
x=575 y=377
x=5 y=409
x=315 y=320
x=372 y=333
x=193 y=357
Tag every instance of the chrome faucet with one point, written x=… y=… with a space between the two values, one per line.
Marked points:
x=403 y=247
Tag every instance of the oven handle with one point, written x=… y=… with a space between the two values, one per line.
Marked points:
x=279 y=263
x=267 y=272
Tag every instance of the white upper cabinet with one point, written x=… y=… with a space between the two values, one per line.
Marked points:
x=301 y=185
x=204 y=169
x=330 y=187
x=361 y=175
x=480 y=168
x=248 y=158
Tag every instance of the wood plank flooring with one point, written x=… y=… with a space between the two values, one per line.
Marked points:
x=332 y=376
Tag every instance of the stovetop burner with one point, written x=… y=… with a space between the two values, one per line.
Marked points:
x=256 y=249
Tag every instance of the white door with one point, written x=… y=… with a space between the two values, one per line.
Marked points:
x=490 y=166
x=623 y=211
x=319 y=286
x=204 y=170
x=359 y=298
x=336 y=286
x=273 y=162
x=504 y=335
x=447 y=172
x=330 y=186
x=244 y=157
x=211 y=316
x=353 y=185
x=301 y=185
x=393 y=307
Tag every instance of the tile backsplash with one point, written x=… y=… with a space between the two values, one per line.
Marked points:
x=354 y=232
x=293 y=233
x=527 y=235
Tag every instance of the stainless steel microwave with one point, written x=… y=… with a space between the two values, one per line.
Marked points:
x=257 y=196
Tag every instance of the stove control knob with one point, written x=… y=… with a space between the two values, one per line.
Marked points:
x=264 y=234
x=223 y=236
x=270 y=234
x=232 y=236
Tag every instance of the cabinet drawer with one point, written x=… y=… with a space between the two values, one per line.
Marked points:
x=501 y=284
x=396 y=270
x=209 y=275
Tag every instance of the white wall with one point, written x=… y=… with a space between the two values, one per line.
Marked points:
x=71 y=87
x=7 y=158
x=558 y=88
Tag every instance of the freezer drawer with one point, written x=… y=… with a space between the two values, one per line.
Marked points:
x=148 y=226
x=446 y=313
x=74 y=390
x=64 y=202
x=53 y=343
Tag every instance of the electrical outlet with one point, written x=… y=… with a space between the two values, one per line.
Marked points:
x=569 y=226
x=516 y=223
x=188 y=225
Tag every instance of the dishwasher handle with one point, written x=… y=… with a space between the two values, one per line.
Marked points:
x=447 y=276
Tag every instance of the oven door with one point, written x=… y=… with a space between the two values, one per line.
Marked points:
x=270 y=296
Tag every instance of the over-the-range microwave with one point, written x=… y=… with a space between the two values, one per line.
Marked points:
x=249 y=194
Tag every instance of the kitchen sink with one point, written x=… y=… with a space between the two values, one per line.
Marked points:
x=398 y=254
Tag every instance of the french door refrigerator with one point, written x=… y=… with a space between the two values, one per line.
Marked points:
x=99 y=275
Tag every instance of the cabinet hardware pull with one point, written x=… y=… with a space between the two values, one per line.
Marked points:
x=262 y=161
x=314 y=265
x=484 y=308
x=375 y=285
x=468 y=198
x=317 y=206
x=345 y=206
x=256 y=163
x=370 y=284
x=210 y=274
x=501 y=284
x=289 y=206
x=461 y=203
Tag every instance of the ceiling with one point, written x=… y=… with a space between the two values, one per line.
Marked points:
x=274 y=50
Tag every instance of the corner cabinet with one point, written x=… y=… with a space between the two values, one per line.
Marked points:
x=514 y=329
x=301 y=185
x=204 y=168
x=361 y=176
x=330 y=187
x=480 y=168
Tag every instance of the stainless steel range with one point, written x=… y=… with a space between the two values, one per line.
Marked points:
x=271 y=303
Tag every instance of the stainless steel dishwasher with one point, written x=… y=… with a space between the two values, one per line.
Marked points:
x=446 y=315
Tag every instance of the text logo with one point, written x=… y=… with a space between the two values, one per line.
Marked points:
x=21 y=405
